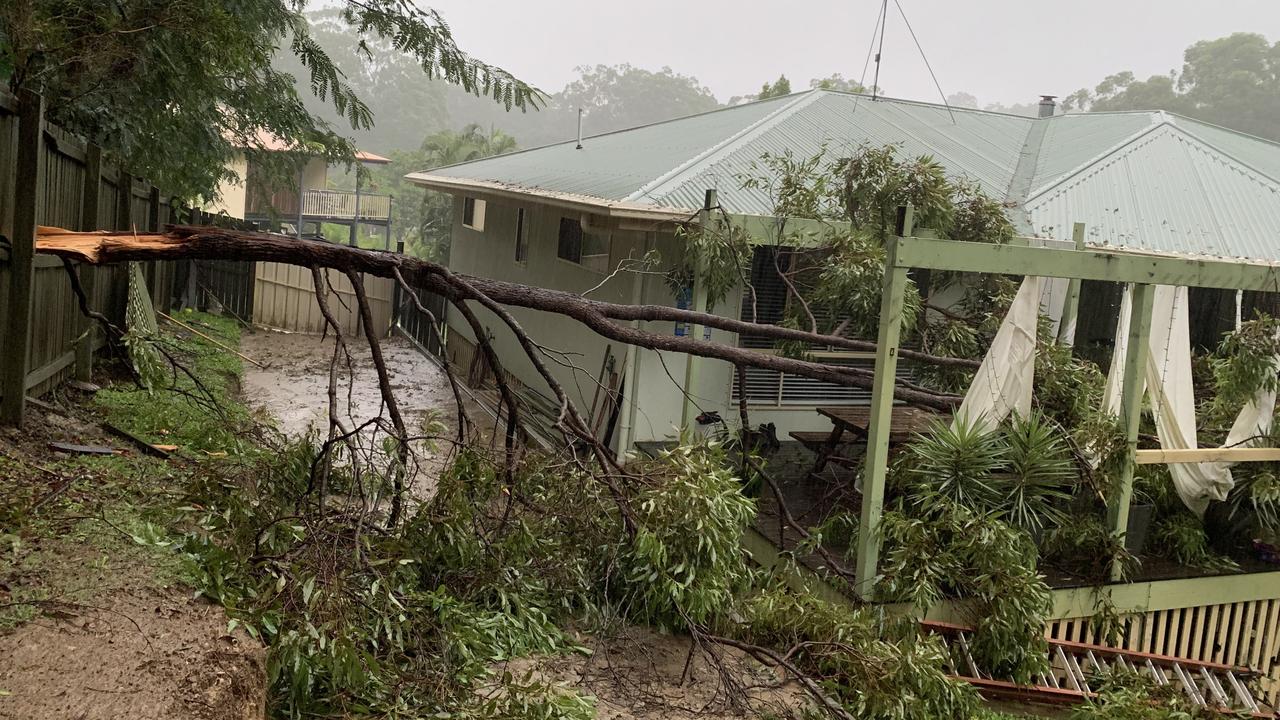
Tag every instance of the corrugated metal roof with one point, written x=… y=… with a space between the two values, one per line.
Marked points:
x=614 y=165
x=1074 y=141
x=1143 y=180
x=977 y=145
x=1261 y=155
x=1167 y=191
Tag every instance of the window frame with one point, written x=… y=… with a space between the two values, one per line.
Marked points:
x=577 y=241
x=477 y=208
x=522 y=237
x=575 y=236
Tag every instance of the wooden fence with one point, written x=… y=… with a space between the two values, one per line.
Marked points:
x=284 y=298
x=49 y=177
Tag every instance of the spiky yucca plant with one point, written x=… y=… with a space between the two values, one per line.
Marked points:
x=1040 y=474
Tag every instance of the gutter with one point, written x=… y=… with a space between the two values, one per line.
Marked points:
x=621 y=210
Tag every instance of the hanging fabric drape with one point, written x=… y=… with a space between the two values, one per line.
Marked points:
x=1002 y=384
x=1170 y=391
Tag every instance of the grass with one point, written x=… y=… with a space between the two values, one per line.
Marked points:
x=203 y=417
x=73 y=528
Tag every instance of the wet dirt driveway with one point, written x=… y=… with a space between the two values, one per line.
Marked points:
x=294 y=387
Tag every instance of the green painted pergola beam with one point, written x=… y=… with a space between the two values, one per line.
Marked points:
x=1020 y=258
x=1092 y=264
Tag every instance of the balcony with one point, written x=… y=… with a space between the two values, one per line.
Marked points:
x=322 y=206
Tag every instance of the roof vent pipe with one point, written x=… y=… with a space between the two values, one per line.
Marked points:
x=1047 y=105
x=579 y=129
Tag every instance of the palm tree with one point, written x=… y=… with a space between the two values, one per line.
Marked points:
x=448 y=147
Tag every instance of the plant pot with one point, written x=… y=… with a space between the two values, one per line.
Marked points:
x=1135 y=539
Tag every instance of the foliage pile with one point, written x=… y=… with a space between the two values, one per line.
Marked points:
x=410 y=621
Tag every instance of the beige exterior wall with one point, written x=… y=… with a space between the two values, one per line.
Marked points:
x=315 y=176
x=653 y=401
x=232 y=193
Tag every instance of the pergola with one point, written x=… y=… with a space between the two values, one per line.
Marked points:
x=1144 y=270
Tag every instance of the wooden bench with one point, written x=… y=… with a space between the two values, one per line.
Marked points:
x=817 y=443
x=904 y=423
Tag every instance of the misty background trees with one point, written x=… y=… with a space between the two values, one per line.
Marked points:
x=1232 y=81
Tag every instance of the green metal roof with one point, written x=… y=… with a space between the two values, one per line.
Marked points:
x=1139 y=179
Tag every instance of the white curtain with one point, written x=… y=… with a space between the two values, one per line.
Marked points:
x=1170 y=391
x=1003 y=382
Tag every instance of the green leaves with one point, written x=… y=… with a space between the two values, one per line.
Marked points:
x=1023 y=473
x=685 y=562
x=174 y=89
x=956 y=465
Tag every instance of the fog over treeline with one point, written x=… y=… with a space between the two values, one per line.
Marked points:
x=1232 y=81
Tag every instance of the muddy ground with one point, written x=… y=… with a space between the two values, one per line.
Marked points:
x=142 y=654
x=293 y=388
x=93 y=626
x=636 y=673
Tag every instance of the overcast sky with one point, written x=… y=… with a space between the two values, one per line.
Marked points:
x=999 y=50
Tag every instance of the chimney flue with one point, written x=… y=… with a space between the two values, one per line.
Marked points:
x=579 y=128
x=1047 y=105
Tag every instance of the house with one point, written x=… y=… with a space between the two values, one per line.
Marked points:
x=565 y=216
x=309 y=201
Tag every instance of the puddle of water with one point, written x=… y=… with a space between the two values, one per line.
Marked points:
x=294 y=387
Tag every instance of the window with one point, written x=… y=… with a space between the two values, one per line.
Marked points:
x=473 y=213
x=589 y=250
x=768 y=304
x=522 y=238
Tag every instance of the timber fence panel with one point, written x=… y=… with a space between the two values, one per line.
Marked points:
x=284 y=298
x=226 y=284
x=8 y=156
x=56 y=322
x=60 y=187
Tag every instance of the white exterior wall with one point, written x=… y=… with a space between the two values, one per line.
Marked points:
x=653 y=401
x=491 y=253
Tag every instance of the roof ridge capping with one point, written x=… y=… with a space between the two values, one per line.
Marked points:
x=1161 y=122
x=1156 y=121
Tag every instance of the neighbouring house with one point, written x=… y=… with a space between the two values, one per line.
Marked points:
x=565 y=216
x=279 y=295
x=306 y=202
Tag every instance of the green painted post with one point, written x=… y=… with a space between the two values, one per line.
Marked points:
x=1135 y=363
x=89 y=207
x=1071 y=308
x=16 y=345
x=886 y=370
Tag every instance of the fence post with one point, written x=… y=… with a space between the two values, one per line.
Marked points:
x=191 y=294
x=396 y=300
x=89 y=209
x=17 y=338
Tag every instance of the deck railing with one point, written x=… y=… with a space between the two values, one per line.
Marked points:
x=335 y=204
x=342 y=204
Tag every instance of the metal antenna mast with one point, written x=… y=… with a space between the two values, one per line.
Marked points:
x=884 y=16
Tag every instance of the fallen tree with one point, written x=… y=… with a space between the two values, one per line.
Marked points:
x=210 y=243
